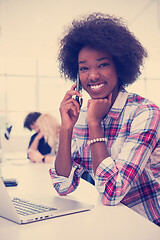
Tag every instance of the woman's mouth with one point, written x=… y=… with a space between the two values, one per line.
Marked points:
x=97 y=86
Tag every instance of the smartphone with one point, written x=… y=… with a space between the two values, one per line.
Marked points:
x=10 y=182
x=78 y=88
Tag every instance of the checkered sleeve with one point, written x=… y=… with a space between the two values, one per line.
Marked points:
x=64 y=185
x=115 y=176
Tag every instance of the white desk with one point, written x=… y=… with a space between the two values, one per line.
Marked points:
x=103 y=222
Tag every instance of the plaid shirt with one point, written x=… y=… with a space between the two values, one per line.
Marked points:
x=132 y=172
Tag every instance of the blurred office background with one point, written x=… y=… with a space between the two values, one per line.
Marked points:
x=29 y=76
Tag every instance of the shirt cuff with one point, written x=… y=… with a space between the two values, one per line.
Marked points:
x=103 y=169
x=61 y=179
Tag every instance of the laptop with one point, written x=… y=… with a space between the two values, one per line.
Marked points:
x=26 y=211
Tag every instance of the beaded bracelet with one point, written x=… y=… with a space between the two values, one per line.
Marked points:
x=97 y=140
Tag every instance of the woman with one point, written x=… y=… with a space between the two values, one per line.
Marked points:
x=43 y=144
x=116 y=138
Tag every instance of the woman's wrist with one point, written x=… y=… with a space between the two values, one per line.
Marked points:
x=66 y=132
x=96 y=132
x=95 y=140
x=93 y=124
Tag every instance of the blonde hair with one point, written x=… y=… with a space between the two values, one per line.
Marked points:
x=49 y=126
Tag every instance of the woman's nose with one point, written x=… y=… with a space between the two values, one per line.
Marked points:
x=93 y=74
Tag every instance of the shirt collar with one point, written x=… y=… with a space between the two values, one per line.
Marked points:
x=119 y=103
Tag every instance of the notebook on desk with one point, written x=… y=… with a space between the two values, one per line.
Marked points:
x=24 y=211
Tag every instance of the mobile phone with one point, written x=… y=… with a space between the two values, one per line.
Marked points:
x=10 y=182
x=78 y=88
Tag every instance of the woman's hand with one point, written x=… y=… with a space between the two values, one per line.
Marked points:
x=69 y=108
x=98 y=109
x=35 y=156
x=49 y=158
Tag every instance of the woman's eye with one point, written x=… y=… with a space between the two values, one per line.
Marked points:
x=82 y=69
x=103 y=65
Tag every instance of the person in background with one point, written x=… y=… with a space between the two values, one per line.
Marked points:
x=43 y=144
x=30 y=121
x=116 y=137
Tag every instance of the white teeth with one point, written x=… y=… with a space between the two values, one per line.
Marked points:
x=97 y=86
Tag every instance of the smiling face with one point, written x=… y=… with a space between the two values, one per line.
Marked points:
x=97 y=73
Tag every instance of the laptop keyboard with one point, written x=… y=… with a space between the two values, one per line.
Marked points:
x=25 y=208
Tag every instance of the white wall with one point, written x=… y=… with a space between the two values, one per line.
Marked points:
x=29 y=33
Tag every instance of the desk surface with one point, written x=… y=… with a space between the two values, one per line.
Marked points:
x=102 y=222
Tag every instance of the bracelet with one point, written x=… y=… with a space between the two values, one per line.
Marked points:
x=97 y=140
x=43 y=159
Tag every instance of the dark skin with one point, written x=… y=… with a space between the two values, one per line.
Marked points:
x=98 y=77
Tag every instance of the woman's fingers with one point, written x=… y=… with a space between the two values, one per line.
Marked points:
x=71 y=104
x=72 y=92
